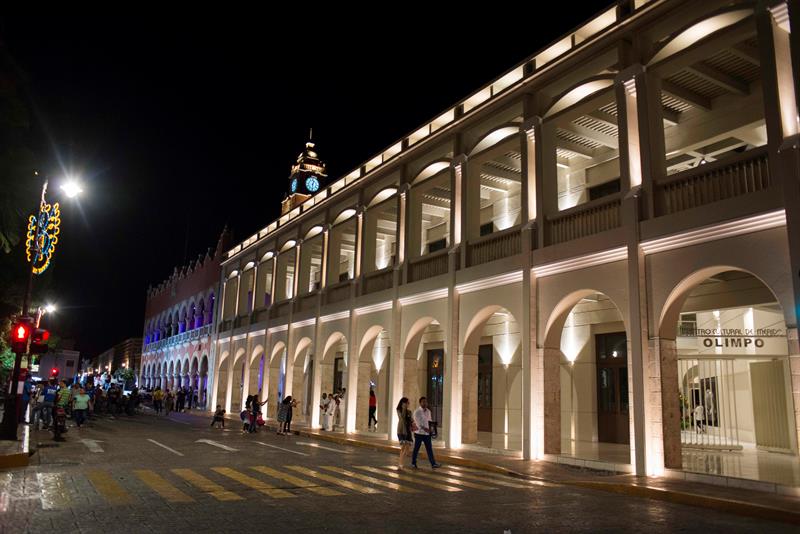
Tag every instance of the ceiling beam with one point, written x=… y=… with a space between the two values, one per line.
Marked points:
x=719 y=78
x=502 y=174
x=580 y=150
x=515 y=164
x=604 y=117
x=687 y=95
x=604 y=139
x=746 y=52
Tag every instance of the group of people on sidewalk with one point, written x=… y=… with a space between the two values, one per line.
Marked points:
x=252 y=415
x=180 y=400
x=414 y=429
x=77 y=401
x=331 y=408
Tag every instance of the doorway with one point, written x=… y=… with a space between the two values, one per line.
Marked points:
x=485 y=353
x=613 y=420
x=338 y=372
x=435 y=390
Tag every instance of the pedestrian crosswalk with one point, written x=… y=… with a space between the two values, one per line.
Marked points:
x=225 y=483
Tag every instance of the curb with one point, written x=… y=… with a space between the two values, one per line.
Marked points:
x=21 y=457
x=731 y=506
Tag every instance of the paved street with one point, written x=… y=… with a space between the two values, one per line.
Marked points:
x=176 y=474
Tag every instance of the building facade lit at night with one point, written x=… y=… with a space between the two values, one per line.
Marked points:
x=591 y=260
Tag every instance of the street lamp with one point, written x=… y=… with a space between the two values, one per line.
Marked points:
x=71 y=188
x=43 y=234
x=50 y=308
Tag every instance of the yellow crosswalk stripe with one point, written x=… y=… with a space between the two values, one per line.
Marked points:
x=299 y=482
x=333 y=480
x=108 y=487
x=487 y=477
x=444 y=478
x=373 y=480
x=407 y=478
x=160 y=485
x=55 y=494
x=206 y=485
x=254 y=483
x=478 y=473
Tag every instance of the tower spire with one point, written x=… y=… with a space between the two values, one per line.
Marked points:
x=310 y=134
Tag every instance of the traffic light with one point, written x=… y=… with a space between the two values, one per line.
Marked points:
x=20 y=336
x=54 y=372
x=39 y=341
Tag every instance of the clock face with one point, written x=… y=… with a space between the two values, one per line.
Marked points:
x=293 y=185
x=312 y=184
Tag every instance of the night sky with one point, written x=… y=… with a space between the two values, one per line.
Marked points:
x=181 y=125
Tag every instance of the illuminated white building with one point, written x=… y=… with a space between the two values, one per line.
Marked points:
x=548 y=260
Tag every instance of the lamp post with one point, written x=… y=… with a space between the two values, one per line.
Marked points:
x=43 y=230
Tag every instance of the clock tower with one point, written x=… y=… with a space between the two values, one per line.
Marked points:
x=307 y=177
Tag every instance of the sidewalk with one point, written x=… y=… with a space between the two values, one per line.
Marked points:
x=736 y=500
x=16 y=453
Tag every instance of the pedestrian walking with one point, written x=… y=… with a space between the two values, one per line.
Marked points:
x=27 y=388
x=158 y=400
x=699 y=418
x=180 y=399
x=404 y=424
x=44 y=410
x=373 y=408
x=169 y=402
x=422 y=433
x=80 y=404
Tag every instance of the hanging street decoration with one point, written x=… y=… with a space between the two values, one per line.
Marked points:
x=42 y=236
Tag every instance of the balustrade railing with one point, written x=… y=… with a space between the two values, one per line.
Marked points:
x=585 y=219
x=427 y=266
x=731 y=177
x=379 y=280
x=494 y=246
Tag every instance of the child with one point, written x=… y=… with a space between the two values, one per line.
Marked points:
x=219 y=417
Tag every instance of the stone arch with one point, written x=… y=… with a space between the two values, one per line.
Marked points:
x=696 y=31
x=491 y=384
x=273 y=380
x=581 y=91
x=330 y=370
x=238 y=390
x=371 y=375
x=571 y=376
x=678 y=368
x=297 y=378
x=431 y=169
x=494 y=137
x=258 y=367
x=222 y=380
x=668 y=318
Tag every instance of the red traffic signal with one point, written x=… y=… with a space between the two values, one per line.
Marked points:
x=20 y=335
x=39 y=341
x=54 y=372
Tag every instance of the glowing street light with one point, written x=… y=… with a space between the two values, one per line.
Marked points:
x=71 y=188
x=50 y=308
